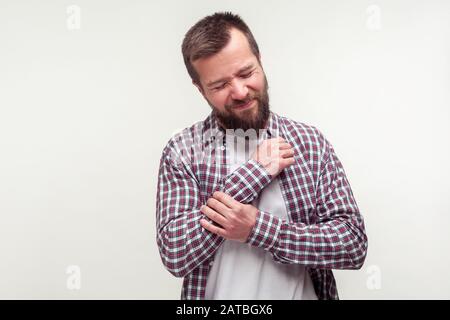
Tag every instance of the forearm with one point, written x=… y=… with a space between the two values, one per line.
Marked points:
x=184 y=244
x=336 y=244
x=246 y=182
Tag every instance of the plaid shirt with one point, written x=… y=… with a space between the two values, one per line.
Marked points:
x=325 y=229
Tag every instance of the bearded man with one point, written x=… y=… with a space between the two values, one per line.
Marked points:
x=266 y=211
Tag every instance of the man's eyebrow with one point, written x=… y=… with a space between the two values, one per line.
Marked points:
x=246 y=68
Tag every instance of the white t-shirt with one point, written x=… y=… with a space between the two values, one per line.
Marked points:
x=241 y=271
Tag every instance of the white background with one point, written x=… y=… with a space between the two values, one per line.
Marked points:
x=87 y=105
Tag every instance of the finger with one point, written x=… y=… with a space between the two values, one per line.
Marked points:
x=214 y=215
x=287 y=153
x=217 y=206
x=208 y=226
x=287 y=162
x=285 y=145
x=225 y=199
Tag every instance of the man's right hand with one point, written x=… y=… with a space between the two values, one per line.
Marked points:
x=274 y=155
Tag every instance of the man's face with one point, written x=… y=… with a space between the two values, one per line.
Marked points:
x=234 y=85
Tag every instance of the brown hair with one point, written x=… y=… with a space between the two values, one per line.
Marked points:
x=210 y=35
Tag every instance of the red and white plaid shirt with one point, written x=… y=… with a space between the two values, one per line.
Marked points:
x=325 y=229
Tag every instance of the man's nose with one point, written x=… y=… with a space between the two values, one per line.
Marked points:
x=239 y=90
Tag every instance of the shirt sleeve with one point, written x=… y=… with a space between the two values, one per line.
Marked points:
x=336 y=241
x=183 y=243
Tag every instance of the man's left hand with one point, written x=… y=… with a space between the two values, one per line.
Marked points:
x=236 y=220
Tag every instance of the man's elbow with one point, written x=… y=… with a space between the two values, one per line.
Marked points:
x=358 y=263
x=170 y=258
x=174 y=268
x=179 y=273
x=358 y=256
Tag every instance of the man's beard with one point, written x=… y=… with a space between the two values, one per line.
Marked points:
x=246 y=119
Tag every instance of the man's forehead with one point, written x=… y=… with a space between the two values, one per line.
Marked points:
x=235 y=56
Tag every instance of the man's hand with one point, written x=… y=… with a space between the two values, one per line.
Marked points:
x=274 y=155
x=236 y=220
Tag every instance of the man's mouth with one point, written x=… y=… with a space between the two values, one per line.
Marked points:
x=245 y=105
